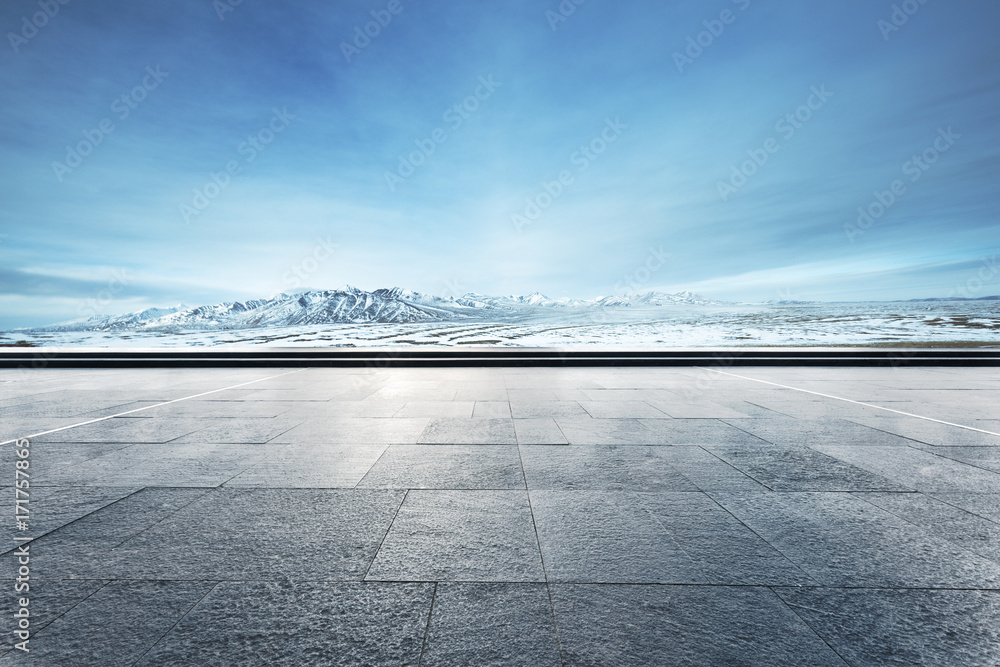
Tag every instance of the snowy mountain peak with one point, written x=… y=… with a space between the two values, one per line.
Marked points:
x=354 y=305
x=535 y=299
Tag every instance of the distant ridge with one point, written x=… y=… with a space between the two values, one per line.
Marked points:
x=353 y=305
x=954 y=298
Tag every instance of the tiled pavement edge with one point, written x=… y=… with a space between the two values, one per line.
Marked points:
x=507 y=517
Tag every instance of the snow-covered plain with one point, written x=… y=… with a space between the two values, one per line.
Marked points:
x=941 y=323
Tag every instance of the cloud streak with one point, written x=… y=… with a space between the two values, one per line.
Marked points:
x=448 y=219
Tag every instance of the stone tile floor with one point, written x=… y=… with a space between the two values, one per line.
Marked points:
x=634 y=516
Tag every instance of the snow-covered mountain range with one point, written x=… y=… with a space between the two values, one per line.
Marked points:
x=353 y=305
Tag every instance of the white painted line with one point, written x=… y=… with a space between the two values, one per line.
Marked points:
x=841 y=398
x=149 y=407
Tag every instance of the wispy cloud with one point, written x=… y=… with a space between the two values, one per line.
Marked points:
x=323 y=176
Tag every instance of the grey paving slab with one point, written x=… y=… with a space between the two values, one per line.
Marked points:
x=436 y=409
x=524 y=409
x=740 y=402
x=304 y=395
x=490 y=393
x=447 y=467
x=460 y=536
x=707 y=471
x=987 y=458
x=840 y=540
x=588 y=431
x=481 y=391
x=491 y=410
x=703 y=409
x=129 y=431
x=798 y=406
x=47 y=601
x=12 y=427
x=724 y=548
x=335 y=409
x=63 y=406
x=49 y=458
x=356 y=430
x=492 y=624
x=359 y=391
x=238 y=394
x=237 y=534
x=217 y=409
x=986 y=505
x=808 y=432
x=944 y=520
x=80 y=548
x=309 y=466
x=802 y=469
x=606 y=537
x=629 y=394
x=698 y=432
x=903 y=627
x=415 y=394
x=263 y=534
x=631 y=378
x=197 y=465
x=621 y=410
x=114 y=626
x=19 y=394
x=918 y=469
x=51 y=508
x=931 y=433
x=601 y=467
x=321 y=623
x=110 y=385
x=961 y=408
x=682 y=625
x=400 y=383
x=747 y=409
x=537 y=392
x=469 y=432
x=128 y=408
x=242 y=431
x=539 y=431
x=673 y=505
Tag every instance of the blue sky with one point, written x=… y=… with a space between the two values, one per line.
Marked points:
x=324 y=203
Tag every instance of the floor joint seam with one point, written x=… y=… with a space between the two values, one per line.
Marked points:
x=150 y=407
x=76 y=604
x=541 y=556
x=176 y=623
x=79 y=518
x=850 y=400
x=806 y=623
x=364 y=577
x=760 y=537
x=427 y=628
x=164 y=518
